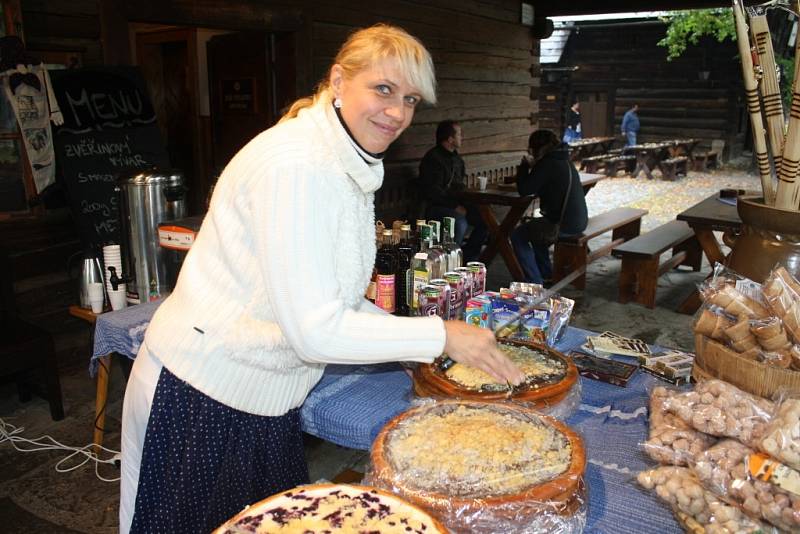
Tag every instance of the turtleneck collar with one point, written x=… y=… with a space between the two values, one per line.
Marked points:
x=369 y=157
x=365 y=171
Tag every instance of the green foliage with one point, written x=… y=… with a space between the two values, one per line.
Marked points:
x=686 y=27
x=787 y=77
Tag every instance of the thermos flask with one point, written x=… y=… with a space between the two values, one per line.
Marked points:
x=90 y=273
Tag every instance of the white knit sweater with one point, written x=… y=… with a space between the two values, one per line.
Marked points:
x=272 y=289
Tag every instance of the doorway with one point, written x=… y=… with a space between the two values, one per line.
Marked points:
x=594 y=114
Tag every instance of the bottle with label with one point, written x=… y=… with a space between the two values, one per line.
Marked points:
x=421 y=278
x=455 y=255
x=385 y=274
x=405 y=275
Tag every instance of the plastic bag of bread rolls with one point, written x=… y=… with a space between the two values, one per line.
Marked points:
x=736 y=295
x=723 y=470
x=782 y=294
x=671 y=441
x=781 y=438
x=721 y=409
x=712 y=322
x=680 y=488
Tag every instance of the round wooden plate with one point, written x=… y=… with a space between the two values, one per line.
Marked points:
x=561 y=490
x=434 y=526
x=430 y=382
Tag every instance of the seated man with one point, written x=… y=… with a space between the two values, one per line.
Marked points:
x=441 y=173
x=546 y=173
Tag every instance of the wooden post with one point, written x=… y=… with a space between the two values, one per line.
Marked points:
x=753 y=105
x=788 y=187
x=770 y=90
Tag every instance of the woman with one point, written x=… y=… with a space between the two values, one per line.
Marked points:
x=545 y=172
x=572 y=120
x=270 y=292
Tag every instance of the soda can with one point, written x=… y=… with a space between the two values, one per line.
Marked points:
x=430 y=301
x=456 y=281
x=444 y=285
x=466 y=274
x=479 y=277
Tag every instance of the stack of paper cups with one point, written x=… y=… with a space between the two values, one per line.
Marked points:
x=112 y=257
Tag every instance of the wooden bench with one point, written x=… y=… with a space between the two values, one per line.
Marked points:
x=641 y=266
x=673 y=167
x=593 y=164
x=620 y=163
x=702 y=161
x=572 y=253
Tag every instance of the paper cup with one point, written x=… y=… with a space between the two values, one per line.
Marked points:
x=117 y=297
x=482 y=181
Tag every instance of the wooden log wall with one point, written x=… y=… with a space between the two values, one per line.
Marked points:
x=486 y=63
x=625 y=63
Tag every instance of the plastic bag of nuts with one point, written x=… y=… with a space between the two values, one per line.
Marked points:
x=723 y=470
x=782 y=293
x=681 y=489
x=671 y=441
x=721 y=409
x=781 y=438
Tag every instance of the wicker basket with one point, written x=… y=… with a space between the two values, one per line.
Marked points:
x=714 y=360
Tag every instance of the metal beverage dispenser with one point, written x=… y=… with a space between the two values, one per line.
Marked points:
x=147 y=199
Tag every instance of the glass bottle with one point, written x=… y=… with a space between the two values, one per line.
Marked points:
x=386 y=272
x=422 y=276
x=455 y=255
x=435 y=256
x=405 y=278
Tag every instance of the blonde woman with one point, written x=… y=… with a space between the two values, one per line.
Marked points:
x=270 y=292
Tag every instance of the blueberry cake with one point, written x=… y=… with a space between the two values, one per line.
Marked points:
x=332 y=508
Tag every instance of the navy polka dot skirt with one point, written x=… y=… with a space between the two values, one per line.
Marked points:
x=203 y=462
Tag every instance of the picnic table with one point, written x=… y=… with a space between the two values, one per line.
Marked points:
x=682 y=147
x=710 y=215
x=648 y=157
x=591 y=146
x=506 y=195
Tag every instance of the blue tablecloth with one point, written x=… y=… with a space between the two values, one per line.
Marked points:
x=351 y=404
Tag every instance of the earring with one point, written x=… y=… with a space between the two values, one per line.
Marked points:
x=337 y=103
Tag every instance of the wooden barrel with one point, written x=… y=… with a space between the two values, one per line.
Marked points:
x=429 y=381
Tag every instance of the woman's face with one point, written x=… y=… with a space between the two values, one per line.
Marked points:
x=377 y=103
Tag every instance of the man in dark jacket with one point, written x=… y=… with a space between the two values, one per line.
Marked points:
x=546 y=173
x=441 y=174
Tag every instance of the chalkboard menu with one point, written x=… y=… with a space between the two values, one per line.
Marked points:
x=109 y=131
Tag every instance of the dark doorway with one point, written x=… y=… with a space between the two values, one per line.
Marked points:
x=594 y=114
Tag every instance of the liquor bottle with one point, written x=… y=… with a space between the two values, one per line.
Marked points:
x=435 y=256
x=436 y=244
x=386 y=272
x=422 y=276
x=456 y=256
x=405 y=276
x=418 y=235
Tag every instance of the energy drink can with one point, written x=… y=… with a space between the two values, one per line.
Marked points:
x=478 y=270
x=430 y=301
x=469 y=286
x=456 y=281
x=444 y=285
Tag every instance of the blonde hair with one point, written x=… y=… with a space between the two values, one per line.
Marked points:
x=368 y=46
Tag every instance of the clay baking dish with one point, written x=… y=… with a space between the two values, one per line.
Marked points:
x=562 y=494
x=430 y=381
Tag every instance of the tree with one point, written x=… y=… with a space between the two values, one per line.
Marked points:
x=686 y=27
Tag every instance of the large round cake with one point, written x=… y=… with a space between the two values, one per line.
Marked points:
x=549 y=377
x=332 y=508
x=458 y=458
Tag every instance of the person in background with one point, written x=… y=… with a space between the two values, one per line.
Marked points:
x=630 y=125
x=546 y=172
x=271 y=291
x=572 y=120
x=442 y=173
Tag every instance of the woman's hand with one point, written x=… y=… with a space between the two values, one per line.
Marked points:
x=477 y=347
